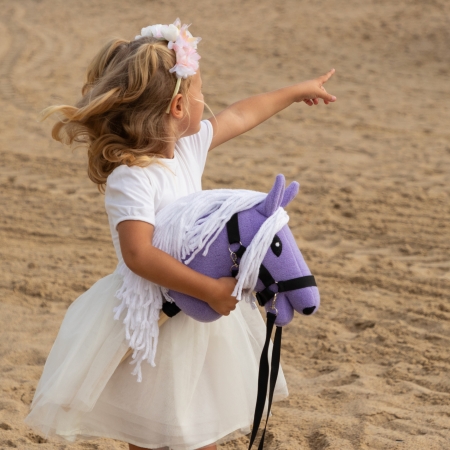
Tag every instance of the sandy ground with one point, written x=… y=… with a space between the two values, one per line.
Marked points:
x=371 y=369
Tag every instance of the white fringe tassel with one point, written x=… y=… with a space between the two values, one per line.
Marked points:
x=185 y=228
x=142 y=301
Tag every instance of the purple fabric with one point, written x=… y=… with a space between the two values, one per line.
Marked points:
x=289 y=264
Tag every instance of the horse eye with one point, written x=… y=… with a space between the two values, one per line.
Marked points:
x=276 y=246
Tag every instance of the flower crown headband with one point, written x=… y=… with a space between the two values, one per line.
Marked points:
x=182 y=43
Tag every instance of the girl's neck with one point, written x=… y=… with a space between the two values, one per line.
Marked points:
x=170 y=151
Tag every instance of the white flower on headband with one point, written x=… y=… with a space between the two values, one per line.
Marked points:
x=181 y=42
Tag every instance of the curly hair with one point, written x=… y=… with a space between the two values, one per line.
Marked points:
x=121 y=115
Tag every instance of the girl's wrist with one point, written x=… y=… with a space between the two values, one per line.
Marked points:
x=300 y=92
x=208 y=289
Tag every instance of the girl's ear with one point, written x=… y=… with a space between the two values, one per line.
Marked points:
x=177 y=107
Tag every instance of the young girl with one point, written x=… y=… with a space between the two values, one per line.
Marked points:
x=140 y=116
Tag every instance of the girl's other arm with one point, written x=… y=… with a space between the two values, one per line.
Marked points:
x=159 y=267
x=247 y=114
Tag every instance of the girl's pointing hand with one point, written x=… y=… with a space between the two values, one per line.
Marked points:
x=312 y=90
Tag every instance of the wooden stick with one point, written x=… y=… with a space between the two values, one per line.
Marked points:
x=163 y=318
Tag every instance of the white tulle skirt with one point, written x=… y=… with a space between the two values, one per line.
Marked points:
x=202 y=390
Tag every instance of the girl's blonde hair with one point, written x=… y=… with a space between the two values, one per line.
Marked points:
x=121 y=116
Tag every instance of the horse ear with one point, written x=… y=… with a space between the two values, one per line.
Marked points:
x=290 y=193
x=274 y=198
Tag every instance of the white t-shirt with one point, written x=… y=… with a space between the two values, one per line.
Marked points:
x=138 y=193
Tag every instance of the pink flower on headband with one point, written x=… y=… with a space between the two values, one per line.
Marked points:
x=181 y=42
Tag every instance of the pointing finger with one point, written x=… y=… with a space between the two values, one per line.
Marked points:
x=327 y=76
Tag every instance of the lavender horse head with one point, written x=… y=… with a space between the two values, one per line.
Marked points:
x=284 y=282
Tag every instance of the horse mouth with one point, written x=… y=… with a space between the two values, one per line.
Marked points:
x=308 y=311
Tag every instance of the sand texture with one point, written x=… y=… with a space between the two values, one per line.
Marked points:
x=371 y=369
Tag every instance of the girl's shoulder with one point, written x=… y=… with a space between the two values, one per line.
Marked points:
x=200 y=140
x=124 y=174
x=129 y=195
x=136 y=182
x=130 y=180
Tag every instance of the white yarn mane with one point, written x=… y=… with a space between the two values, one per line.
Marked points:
x=183 y=229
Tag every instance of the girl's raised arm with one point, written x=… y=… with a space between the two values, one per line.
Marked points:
x=247 y=114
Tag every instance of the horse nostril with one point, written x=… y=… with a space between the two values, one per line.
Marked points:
x=308 y=311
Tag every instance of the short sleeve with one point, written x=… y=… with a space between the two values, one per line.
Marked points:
x=129 y=195
x=198 y=144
